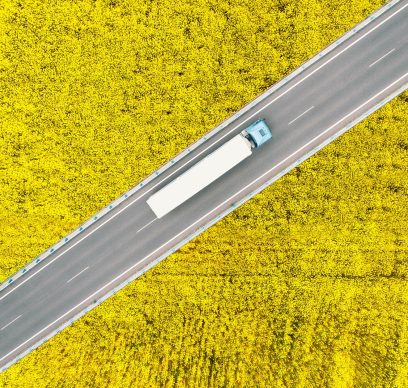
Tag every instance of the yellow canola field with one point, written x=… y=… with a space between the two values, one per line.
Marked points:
x=303 y=286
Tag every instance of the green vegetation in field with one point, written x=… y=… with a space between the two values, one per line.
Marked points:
x=97 y=94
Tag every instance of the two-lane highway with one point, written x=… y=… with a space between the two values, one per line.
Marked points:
x=304 y=113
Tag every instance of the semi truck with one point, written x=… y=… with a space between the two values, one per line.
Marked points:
x=210 y=168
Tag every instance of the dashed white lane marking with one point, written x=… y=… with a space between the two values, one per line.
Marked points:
x=15 y=319
x=379 y=59
x=79 y=273
x=146 y=225
x=298 y=117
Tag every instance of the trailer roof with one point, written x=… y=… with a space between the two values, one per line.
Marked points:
x=200 y=175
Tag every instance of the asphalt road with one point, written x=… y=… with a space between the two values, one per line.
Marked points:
x=302 y=114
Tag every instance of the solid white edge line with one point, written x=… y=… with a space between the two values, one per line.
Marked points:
x=79 y=273
x=203 y=217
x=146 y=225
x=227 y=133
x=379 y=59
x=308 y=110
x=15 y=319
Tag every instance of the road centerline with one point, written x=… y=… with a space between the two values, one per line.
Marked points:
x=79 y=273
x=302 y=114
x=15 y=319
x=381 y=58
x=149 y=223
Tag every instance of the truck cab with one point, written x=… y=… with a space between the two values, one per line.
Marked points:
x=257 y=133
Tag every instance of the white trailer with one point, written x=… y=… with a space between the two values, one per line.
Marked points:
x=208 y=169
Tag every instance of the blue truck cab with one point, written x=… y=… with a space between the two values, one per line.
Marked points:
x=257 y=133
